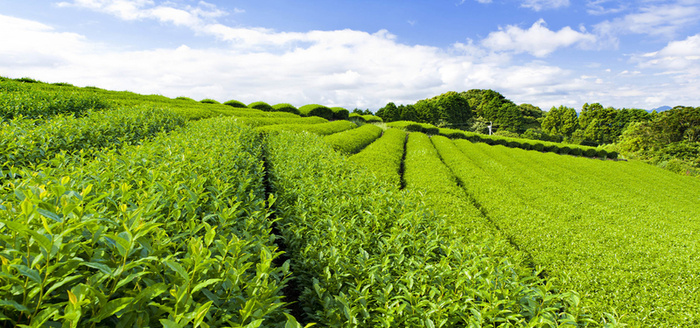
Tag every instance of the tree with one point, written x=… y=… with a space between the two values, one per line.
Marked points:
x=532 y=116
x=389 y=113
x=560 y=121
x=597 y=124
x=679 y=123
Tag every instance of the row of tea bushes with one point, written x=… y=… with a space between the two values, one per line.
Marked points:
x=172 y=233
x=24 y=142
x=365 y=255
x=354 y=140
x=384 y=157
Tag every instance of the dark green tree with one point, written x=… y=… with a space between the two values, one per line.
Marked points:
x=561 y=121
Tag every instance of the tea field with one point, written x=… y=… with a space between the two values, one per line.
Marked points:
x=125 y=210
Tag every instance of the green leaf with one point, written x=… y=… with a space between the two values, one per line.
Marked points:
x=170 y=324
x=99 y=266
x=32 y=274
x=179 y=269
x=50 y=215
x=205 y=283
x=113 y=307
x=13 y=304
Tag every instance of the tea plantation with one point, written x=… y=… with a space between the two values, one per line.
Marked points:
x=125 y=210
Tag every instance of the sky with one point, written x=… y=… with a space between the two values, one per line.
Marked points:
x=363 y=54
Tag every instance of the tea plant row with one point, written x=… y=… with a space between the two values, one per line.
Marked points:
x=597 y=227
x=161 y=234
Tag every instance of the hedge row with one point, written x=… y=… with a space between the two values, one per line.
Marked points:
x=364 y=255
x=24 y=142
x=285 y=107
x=263 y=121
x=35 y=101
x=316 y=110
x=414 y=127
x=320 y=128
x=383 y=158
x=352 y=141
x=340 y=113
x=161 y=235
x=543 y=146
x=365 y=118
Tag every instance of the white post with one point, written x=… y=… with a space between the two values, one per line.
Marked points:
x=490 y=126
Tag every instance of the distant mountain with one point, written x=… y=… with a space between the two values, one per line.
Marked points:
x=659 y=109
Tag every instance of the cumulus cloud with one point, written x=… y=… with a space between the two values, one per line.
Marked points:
x=538 y=5
x=347 y=68
x=680 y=58
x=538 y=40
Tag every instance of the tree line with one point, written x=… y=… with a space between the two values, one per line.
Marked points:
x=669 y=138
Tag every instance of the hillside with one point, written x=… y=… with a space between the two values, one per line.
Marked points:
x=120 y=209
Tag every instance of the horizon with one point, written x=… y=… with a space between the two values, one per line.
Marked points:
x=633 y=54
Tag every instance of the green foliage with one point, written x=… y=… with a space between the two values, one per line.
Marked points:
x=597 y=227
x=24 y=142
x=340 y=113
x=209 y=101
x=414 y=127
x=263 y=121
x=493 y=106
x=261 y=105
x=235 y=103
x=590 y=152
x=184 y=98
x=316 y=110
x=383 y=158
x=561 y=121
x=284 y=107
x=161 y=234
x=366 y=256
x=40 y=101
x=315 y=128
x=372 y=119
x=354 y=140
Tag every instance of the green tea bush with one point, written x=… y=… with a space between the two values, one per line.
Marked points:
x=538 y=146
x=372 y=119
x=235 y=103
x=602 y=153
x=576 y=151
x=612 y=155
x=354 y=140
x=357 y=118
x=383 y=158
x=318 y=128
x=261 y=105
x=263 y=121
x=33 y=102
x=24 y=142
x=364 y=255
x=284 y=107
x=340 y=113
x=161 y=234
x=591 y=152
x=414 y=127
x=184 y=98
x=565 y=150
x=316 y=110
x=209 y=101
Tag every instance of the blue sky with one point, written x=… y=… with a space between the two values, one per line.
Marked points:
x=363 y=54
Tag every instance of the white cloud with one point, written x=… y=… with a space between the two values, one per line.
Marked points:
x=664 y=20
x=538 y=5
x=538 y=40
x=680 y=58
x=600 y=7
